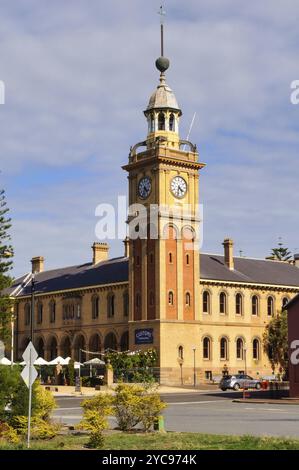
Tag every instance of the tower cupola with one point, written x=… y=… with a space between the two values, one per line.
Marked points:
x=163 y=111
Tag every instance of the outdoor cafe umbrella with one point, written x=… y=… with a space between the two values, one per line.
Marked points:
x=59 y=360
x=5 y=362
x=94 y=362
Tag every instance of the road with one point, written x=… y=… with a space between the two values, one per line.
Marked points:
x=212 y=412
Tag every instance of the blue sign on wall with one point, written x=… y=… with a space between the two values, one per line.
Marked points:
x=145 y=336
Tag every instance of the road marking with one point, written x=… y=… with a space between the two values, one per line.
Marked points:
x=63 y=409
x=195 y=402
x=270 y=409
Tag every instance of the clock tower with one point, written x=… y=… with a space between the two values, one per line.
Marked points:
x=164 y=271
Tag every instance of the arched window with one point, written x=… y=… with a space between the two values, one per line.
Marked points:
x=285 y=300
x=39 y=313
x=52 y=311
x=172 y=123
x=161 y=122
x=27 y=313
x=255 y=305
x=181 y=352
x=188 y=299
x=239 y=304
x=206 y=302
x=170 y=298
x=151 y=258
x=187 y=259
x=138 y=300
x=126 y=304
x=256 y=349
x=222 y=303
x=206 y=348
x=240 y=348
x=111 y=305
x=152 y=123
x=223 y=349
x=95 y=304
x=270 y=306
x=170 y=257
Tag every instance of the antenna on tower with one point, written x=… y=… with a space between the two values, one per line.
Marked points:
x=190 y=129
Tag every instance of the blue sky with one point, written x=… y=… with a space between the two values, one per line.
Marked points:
x=78 y=76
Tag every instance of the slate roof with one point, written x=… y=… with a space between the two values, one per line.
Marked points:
x=212 y=267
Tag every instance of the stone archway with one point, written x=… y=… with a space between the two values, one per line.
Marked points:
x=110 y=341
x=66 y=347
x=79 y=345
x=52 y=348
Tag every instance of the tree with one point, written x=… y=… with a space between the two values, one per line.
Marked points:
x=276 y=342
x=6 y=253
x=281 y=253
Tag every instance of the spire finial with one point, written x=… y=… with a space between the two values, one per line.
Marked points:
x=162 y=13
x=162 y=63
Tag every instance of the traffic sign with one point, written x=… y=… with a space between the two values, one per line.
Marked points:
x=30 y=353
x=27 y=377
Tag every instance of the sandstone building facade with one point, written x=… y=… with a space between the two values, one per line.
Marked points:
x=203 y=313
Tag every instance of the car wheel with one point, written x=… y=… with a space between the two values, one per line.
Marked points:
x=258 y=386
x=223 y=389
x=236 y=387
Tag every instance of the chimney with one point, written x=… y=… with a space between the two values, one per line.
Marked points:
x=296 y=260
x=37 y=264
x=228 y=253
x=100 y=252
x=127 y=246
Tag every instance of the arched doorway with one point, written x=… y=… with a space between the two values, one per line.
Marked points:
x=79 y=348
x=95 y=343
x=66 y=347
x=110 y=342
x=124 y=341
x=40 y=347
x=52 y=348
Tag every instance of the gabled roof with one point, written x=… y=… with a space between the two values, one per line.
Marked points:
x=212 y=267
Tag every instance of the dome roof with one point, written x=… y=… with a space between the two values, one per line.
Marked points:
x=163 y=97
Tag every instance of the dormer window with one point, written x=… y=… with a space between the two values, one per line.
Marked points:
x=161 y=122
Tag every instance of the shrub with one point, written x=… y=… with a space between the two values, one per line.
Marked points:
x=150 y=409
x=95 y=413
x=45 y=403
x=8 y=433
x=40 y=428
x=135 y=404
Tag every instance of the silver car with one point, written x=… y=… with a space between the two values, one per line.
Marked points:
x=238 y=381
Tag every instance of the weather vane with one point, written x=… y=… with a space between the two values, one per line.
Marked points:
x=162 y=13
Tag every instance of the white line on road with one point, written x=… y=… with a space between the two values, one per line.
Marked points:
x=195 y=402
x=63 y=409
x=270 y=409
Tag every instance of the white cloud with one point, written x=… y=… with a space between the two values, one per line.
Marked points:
x=78 y=81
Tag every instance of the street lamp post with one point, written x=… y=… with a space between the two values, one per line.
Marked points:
x=12 y=339
x=244 y=351
x=194 y=367
x=32 y=308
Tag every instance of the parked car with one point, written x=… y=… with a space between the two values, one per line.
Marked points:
x=238 y=381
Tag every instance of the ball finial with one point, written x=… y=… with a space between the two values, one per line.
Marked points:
x=162 y=64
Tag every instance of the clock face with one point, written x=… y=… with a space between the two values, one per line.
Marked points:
x=178 y=186
x=144 y=187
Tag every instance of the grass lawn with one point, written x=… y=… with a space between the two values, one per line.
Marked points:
x=167 y=441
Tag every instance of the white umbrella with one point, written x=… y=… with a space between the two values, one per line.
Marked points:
x=59 y=360
x=5 y=362
x=95 y=361
x=41 y=362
